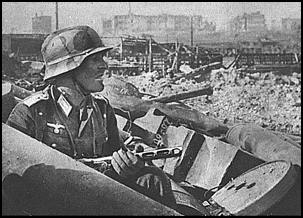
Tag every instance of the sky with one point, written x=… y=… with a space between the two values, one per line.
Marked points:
x=18 y=15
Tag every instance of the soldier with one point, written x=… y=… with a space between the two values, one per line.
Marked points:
x=69 y=116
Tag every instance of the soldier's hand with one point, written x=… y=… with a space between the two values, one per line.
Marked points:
x=125 y=163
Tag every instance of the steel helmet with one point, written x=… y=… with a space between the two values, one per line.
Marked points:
x=65 y=49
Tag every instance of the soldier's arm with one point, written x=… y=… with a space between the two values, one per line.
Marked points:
x=21 y=119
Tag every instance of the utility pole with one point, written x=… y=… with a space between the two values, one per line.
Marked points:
x=150 y=55
x=131 y=28
x=129 y=8
x=57 y=19
x=191 y=32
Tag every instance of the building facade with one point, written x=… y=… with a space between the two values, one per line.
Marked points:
x=254 y=22
x=131 y=24
x=41 y=24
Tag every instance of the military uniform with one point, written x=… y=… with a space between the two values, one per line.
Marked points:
x=86 y=132
x=43 y=117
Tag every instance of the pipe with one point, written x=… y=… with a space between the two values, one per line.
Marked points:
x=46 y=182
x=263 y=143
x=206 y=90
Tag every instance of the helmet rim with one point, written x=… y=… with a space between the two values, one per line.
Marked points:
x=58 y=67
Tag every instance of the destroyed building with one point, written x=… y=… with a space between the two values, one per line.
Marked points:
x=132 y=23
x=253 y=22
x=24 y=46
x=291 y=25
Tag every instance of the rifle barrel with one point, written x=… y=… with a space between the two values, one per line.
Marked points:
x=184 y=95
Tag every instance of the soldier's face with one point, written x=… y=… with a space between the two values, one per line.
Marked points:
x=91 y=73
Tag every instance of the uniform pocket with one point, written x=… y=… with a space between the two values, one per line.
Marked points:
x=59 y=141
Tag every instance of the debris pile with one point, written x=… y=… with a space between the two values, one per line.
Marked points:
x=26 y=74
x=154 y=84
x=11 y=67
x=270 y=100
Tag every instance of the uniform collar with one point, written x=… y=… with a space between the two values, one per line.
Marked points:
x=74 y=97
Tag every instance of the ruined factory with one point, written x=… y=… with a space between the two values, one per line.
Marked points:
x=216 y=112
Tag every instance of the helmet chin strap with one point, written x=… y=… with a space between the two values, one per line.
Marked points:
x=81 y=90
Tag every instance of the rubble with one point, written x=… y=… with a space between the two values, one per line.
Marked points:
x=26 y=74
x=270 y=100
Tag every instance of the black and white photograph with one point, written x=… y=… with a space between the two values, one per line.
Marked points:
x=151 y=108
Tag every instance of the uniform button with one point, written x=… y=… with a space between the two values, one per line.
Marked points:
x=40 y=113
x=54 y=145
x=106 y=138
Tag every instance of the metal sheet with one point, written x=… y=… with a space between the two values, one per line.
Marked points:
x=211 y=163
x=54 y=183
